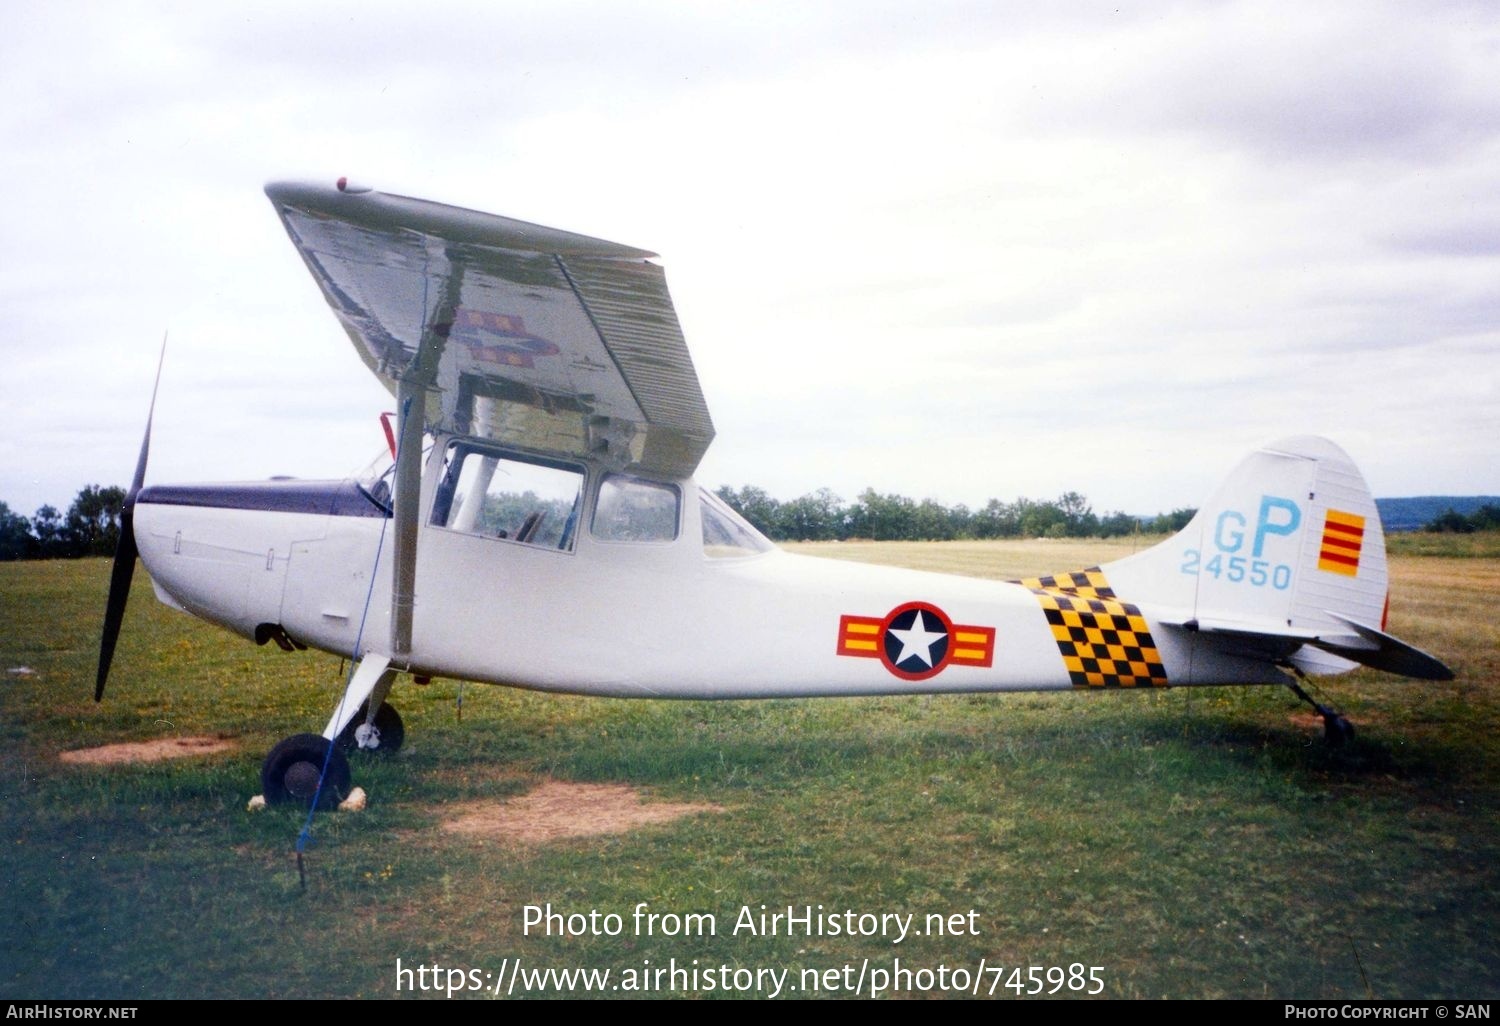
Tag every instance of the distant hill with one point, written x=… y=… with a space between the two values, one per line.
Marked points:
x=1412 y=514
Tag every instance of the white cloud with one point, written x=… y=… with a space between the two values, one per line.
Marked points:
x=959 y=250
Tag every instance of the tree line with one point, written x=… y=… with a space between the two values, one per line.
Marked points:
x=90 y=527
x=823 y=516
x=1485 y=518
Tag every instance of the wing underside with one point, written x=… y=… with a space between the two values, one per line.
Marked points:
x=536 y=337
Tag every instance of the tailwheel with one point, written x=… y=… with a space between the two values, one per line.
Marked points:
x=1337 y=730
x=383 y=737
x=292 y=770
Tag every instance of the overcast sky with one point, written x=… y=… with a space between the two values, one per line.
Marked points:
x=956 y=250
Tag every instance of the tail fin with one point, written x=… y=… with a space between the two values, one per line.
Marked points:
x=1288 y=550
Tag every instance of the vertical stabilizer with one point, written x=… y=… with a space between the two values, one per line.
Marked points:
x=1289 y=543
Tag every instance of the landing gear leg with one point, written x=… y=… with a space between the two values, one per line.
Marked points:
x=1337 y=730
x=381 y=734
x=376 y=726
x=367 y=689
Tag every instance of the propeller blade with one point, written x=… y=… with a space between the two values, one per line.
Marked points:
x=140 y=463
x=119 y=590
x=126 y=551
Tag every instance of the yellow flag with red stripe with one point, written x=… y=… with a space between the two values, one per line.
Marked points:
x=1343 y=538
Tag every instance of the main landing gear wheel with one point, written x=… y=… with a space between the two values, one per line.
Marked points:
x=385 y=739
x=290 y=773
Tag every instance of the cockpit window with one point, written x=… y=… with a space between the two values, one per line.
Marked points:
x=632 y=510
x=504 y=495
x=725 y=534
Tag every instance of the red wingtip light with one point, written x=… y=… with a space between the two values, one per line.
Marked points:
x=342 y=183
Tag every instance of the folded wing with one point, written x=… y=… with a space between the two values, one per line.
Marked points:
x=529 y=335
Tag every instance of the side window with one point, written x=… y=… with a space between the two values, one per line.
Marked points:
x=725 y=534
x=632 y=510
x=502 y=495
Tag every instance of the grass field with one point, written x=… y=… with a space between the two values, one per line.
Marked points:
x=1190 y=843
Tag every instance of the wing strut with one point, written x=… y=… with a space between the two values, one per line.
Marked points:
x=447 y=274
x=412 y=404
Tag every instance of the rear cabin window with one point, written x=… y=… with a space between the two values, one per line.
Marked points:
x=632 y=510
x=524 y=499
x=725 y=533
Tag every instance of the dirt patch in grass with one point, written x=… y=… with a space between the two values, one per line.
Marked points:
x=555 y=809
x=1307 y=720
x=147 y=751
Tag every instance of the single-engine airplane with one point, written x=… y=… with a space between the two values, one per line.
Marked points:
x=538 y=525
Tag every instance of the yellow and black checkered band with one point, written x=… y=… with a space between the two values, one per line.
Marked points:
x=1104 y=642
x=1088 y=583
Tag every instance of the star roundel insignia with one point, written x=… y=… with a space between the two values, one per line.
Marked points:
x=496 y=337
x=916 y=641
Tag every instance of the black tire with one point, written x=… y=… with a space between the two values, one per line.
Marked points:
x=1337 y=731
x=387 y=721
x=290 y=773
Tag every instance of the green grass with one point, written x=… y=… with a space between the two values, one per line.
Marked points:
x=1193 y=843
x=1480 y=544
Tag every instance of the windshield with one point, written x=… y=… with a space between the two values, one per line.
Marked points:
x=377 y=479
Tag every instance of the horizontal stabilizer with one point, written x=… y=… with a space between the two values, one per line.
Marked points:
x=1384 y=652
x=1361 y=644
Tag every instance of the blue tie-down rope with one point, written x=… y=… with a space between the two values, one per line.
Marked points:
x=304 y=837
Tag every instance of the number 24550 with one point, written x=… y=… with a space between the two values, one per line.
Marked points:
x=1236 y=569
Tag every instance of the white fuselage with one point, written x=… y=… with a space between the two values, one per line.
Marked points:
x=625 y=618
